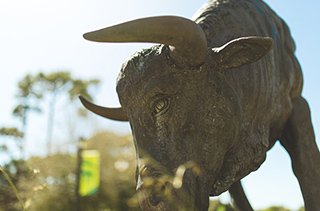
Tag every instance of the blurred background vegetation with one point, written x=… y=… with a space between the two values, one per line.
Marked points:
x=50 y=182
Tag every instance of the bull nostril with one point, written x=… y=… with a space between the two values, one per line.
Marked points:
x=154 y=200
x=153 y=184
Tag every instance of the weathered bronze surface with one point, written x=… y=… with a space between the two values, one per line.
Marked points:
x=208 y=103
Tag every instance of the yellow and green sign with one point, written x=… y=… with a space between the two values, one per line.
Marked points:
x=90 y=172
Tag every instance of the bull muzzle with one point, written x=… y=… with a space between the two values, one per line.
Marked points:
x=153 y=185
x=158 y=190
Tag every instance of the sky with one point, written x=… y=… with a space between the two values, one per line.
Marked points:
x=46 y=35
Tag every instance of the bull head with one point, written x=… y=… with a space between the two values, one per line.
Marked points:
x=183 y=113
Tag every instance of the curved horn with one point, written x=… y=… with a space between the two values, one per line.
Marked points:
x=110 y=113
x=186 y=39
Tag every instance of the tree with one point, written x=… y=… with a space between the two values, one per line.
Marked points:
x=14 y=133
x=117 y=187
x=55 y=84
x=33 y=88
x=28 y=96
x=81 y=87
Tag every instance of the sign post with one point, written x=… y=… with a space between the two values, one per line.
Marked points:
x=90 y=172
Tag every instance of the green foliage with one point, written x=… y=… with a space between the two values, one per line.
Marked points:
x=53 y=186
x=54 y=81
x=12 y=173
x=22 y=110
x=17 y=136
x=274 y=208
x=56 y=182
x=3 y=148
x=49 y=183
x=81 y=87
x=32 y=89
x=28 y=91
x=51 y=87
x=59 y=82
x=216 y=205
x=118 y=163
x=27 y=88
x=12 y=131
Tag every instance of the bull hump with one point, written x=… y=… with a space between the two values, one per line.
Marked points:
x=220 y=20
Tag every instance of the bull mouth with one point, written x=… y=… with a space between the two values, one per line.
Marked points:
x=153 y=185
x=159 y=201
x=160 y=191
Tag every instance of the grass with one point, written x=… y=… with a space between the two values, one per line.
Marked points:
x=13 y=187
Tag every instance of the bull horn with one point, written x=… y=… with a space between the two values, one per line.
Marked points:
x=186 y=39
x=110 y=113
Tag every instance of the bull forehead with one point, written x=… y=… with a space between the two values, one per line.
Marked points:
x=148 y=72
x=133 y=70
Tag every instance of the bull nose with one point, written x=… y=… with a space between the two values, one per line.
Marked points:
x=154 y=200
x=153 y=184
x=156 y=195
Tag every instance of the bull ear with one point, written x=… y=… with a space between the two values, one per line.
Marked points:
x=243 y=51
x=110 y=113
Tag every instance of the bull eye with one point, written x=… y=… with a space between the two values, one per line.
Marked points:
x=160 y=106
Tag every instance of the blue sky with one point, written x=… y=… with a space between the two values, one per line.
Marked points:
x=46 y=35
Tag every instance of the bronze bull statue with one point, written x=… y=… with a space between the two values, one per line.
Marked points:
x=208 y=102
